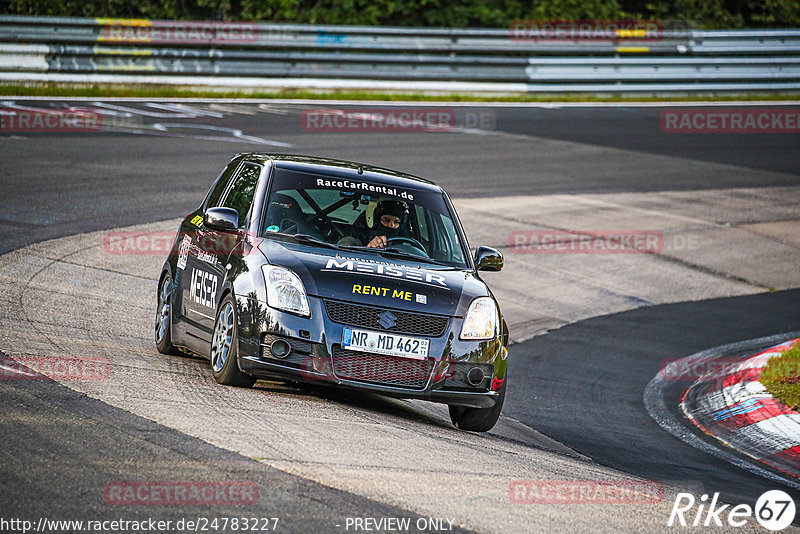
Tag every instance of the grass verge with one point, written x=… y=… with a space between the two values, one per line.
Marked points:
x=781 y=377
x=163 y=91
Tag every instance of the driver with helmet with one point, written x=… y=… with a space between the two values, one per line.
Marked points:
x=388 y=221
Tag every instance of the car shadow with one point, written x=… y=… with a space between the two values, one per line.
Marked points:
x=373 y=403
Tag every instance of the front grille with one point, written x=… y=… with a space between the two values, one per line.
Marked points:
x=380 y=369
x=368 y=317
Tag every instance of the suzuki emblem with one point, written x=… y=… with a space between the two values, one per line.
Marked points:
x=387 y=319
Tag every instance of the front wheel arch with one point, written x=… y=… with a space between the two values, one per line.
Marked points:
x=479 y=419
x=224 y=353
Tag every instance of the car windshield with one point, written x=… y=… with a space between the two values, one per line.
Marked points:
x=375 y=217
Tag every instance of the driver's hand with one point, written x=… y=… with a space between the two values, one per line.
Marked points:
x=379 y=241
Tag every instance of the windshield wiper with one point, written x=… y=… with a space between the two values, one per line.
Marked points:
x=305 y=239
x=404 y=254
x=395 y=252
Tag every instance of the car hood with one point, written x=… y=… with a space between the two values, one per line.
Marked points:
x=375 y=280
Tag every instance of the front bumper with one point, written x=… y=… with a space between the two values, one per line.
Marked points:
x=306 y=372
x=316 y=357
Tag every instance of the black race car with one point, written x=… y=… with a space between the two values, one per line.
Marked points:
x=316 y=270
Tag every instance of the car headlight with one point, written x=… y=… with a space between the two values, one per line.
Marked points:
x=285 y=290
x=481 y=320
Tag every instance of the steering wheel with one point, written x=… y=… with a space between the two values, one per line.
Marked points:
x=400 y=240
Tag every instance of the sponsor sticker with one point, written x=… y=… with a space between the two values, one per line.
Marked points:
x=363 y=289
x=364 y=186
x=206 y=257
x=183 y=252
x=387 y=270
x=203 y=288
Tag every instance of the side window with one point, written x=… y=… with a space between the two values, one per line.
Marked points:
x=451 y=245
x=221 y=185
x=240 y=194
x=443 y=242
x=423 y=226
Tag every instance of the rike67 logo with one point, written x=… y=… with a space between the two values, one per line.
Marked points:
x=774 y=510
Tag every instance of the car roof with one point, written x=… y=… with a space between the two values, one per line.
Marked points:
x=343 y=169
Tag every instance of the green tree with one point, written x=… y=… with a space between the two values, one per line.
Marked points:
x=426 y=13
x=577 y=10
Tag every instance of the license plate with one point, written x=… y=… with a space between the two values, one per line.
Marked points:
x=388 y=344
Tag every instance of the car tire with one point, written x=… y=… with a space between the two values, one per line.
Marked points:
x=478 y=419
x=224 y=348
x=163 y=326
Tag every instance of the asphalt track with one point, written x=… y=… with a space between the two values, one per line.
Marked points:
x=81 y=182
x=583 y=387
x=60 y=446
x=614 y=357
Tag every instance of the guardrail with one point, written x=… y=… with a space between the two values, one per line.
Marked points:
x=271 y=55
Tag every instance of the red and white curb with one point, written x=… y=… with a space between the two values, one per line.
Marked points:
x=735 y=408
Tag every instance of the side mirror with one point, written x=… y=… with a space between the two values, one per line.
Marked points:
x=488 y=259
x=223 y=219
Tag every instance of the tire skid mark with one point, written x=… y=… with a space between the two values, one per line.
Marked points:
x=27 y=284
